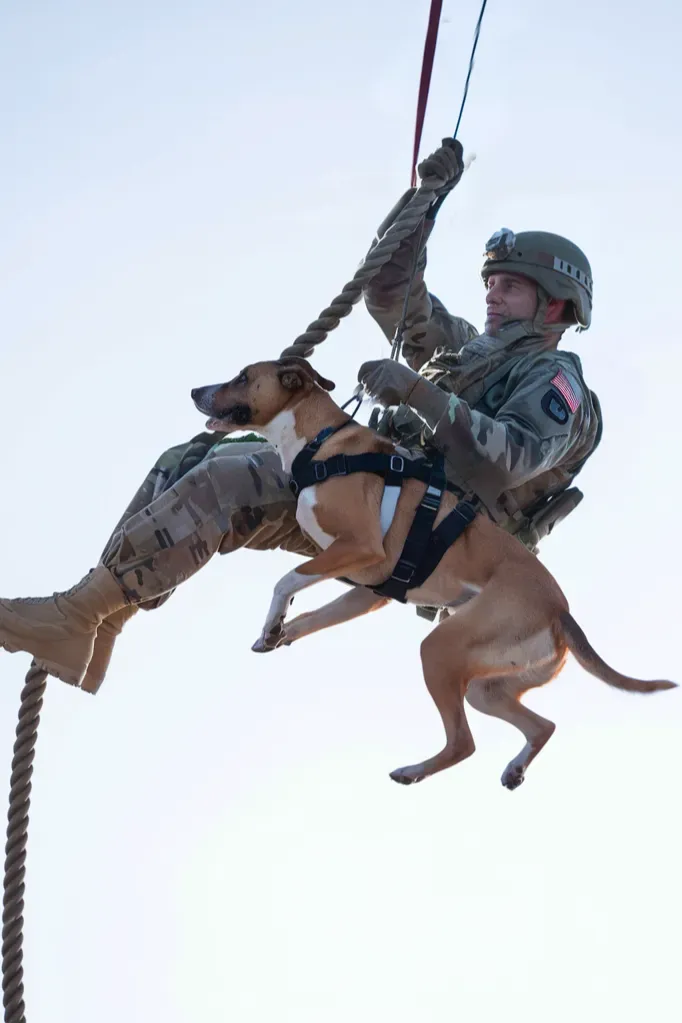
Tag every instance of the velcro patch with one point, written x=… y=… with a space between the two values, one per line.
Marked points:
x=555 y=406
x=562 y=384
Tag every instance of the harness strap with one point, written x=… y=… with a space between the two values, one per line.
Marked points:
x=424 y=546
x=443 y=537
x=394 y=468
x=418 y=538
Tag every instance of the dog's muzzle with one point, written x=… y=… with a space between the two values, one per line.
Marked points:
x=204 y=399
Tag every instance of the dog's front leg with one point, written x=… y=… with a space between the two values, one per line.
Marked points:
x=285 y=590
x=356 y=602
x=345 y=555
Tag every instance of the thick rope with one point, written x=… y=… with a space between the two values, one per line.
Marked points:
x=15 y=849
x=431 y=38
x=403 y=226
x=406 y=223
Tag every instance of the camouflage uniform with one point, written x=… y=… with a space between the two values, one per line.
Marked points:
x=512 y=415
x=495 y=427
x=520 y=421
x=236 y=496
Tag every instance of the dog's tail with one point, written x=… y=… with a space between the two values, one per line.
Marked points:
x=588 y=658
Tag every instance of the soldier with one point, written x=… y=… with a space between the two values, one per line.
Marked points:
x=512 y=415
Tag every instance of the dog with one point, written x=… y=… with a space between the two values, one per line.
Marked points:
x=512 y=629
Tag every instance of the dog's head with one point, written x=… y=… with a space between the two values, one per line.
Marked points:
x=258 y=393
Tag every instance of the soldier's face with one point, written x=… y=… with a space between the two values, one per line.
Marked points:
x=509 y=297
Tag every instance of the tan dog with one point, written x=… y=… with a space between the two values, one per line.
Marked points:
x=512 y=630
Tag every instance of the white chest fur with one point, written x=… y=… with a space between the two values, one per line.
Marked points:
x=281 y=433
x=307 y=519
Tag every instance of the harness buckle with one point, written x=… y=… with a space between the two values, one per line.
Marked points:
x=320 y=471
x=432 y=498
x=403 y=571
x=397 y=463
x=294 y=487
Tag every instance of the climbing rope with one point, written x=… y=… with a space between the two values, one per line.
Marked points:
x=15 y=849
x=404 y=225
x=430 y=193
x=429 y=52
x=409 y=220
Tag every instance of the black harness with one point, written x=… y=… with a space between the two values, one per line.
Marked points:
x=424 y=546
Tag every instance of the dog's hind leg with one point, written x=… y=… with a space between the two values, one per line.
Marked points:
x=499 y=697
x=446 y=677
x=502 y=632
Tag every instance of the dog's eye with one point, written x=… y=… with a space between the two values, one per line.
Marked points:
x=242 y=379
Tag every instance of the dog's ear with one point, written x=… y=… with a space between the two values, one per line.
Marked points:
x=296 y=372
x=291 y=379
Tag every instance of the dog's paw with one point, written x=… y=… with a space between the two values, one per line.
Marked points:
x=268 y=641
x=261 y=647
x=513 y=776
x=408 y=775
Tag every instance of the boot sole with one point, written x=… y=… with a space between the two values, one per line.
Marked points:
x=57 y=670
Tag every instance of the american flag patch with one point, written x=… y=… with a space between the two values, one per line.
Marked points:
x=560 y=381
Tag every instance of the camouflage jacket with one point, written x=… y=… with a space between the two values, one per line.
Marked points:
x=516 y=421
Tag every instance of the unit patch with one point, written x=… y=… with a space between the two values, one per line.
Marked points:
x=554 y=405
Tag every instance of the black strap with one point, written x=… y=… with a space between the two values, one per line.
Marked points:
x=394 y=468
x=418 y=537
x=424 y=546
x=442 y=538
x=303 y=457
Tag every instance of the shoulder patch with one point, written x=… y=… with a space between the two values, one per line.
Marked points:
x=555 y=406
x=563 y=385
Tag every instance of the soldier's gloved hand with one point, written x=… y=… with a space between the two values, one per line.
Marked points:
x=388 y=381
x=443 y=169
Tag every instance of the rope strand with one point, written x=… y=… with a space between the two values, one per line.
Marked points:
x=409 y=220
x=15 y=850
x=397 y=343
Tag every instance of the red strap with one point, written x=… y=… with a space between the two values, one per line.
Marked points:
x=425 y=81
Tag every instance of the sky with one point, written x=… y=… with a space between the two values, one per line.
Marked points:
x=215 y=836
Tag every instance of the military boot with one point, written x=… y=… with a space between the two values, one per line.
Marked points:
x=107 y=633
x=59 y=631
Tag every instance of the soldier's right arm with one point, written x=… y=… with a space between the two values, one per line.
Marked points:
x=429 y=325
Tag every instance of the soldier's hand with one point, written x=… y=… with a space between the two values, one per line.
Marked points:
x=443 y=169
x=388 y=381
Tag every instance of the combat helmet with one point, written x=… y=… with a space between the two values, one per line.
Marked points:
x=558 y=266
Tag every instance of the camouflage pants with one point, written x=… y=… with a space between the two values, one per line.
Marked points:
x=199 y=499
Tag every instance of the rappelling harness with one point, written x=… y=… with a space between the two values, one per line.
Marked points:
x=424 y=546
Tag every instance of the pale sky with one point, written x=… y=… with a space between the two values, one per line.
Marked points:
x=215 y=836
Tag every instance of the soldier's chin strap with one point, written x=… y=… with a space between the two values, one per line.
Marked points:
x=539 y=324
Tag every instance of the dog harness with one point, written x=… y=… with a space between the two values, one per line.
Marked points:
x=424 y=546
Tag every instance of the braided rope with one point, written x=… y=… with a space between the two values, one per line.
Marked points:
x=15 y=849
x=405 y=224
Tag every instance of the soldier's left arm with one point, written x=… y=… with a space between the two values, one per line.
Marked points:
x=546 y=415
